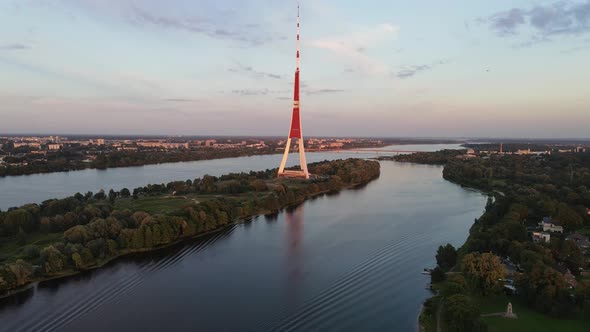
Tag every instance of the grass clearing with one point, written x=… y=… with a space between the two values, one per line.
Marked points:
x=153 y=205
x=12 y=251
x=528 y=319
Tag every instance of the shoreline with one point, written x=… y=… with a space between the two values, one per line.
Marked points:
x=420 y=327
x=218 y=158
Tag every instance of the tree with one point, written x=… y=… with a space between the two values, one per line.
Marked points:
x=21 y=237
x=148 y=240
x=79 y=197
x=437 y=275
x=112 y=196
x=446 y=257
x=77 y=260
x=138 y=238
x=53 y=259
x=77 y=234
x=125 y=193
x=100 y=195
x=461 y=314
x=17 y=219
x=484 y=272
x=572 y=256
x=22 y=271
x=568 y=217
x=543 y=287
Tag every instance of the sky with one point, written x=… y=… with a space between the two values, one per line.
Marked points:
x=469 y=68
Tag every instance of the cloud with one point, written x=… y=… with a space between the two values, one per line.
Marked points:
x=206 y=26
x=13 y=47
x=411 y=71
x=506 y=23
x=559 y=18
x=257 y=92
x=353 y=47
x=324 y=91
x=231 y=20
x=180 y=100
x=240 y=68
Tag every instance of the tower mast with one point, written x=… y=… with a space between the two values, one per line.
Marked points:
x=295 y=132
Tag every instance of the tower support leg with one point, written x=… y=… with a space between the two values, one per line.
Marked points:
x=302 y=159
x=285 y=156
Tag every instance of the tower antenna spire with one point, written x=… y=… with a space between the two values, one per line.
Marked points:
x=295 y=131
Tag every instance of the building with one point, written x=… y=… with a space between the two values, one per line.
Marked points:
x=541 y=237
x=580 y=240
x=163 y=145
x=548 y=226
x=54 y=146
x=580 y=149
x=523 y=152
x=32 y=145
x=100 y=141
x=210 y=142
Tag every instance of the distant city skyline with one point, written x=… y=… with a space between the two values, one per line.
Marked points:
x=371 y=68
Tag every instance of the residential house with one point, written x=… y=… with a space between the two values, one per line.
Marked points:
x=548 y=225
x=541 y=237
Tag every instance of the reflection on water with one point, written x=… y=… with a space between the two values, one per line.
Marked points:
x=294 y=228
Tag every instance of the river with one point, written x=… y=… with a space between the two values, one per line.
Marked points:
x=344 y=262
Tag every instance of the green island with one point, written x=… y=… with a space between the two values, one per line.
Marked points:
x=529 y=248
x=62 y=237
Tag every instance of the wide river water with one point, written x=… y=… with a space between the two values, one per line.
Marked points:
x=345 y=262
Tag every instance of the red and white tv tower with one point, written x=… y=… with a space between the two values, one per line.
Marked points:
x=295 y=131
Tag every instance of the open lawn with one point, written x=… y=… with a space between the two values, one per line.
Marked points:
x=528 y=319
x=155 y=204
x=10 y=250
x=168 y=204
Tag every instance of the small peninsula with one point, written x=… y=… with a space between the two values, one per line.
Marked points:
x=62 y=237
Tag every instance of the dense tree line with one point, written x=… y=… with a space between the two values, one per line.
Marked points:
x=523 y=190
x=95 y=230
x=71 y=160
x=433 y=158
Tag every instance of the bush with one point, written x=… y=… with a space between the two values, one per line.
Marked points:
x=31 y=251
x=437 y=275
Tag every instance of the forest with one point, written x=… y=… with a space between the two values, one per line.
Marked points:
x=548 y=277
x=60 y=237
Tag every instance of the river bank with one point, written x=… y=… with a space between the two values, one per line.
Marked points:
x=522 y=190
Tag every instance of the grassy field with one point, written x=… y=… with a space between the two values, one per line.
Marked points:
x=11 y=251
x=167 y=204
x=156 y=204
x=528 y=319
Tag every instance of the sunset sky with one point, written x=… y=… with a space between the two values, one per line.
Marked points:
x=371 y=67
